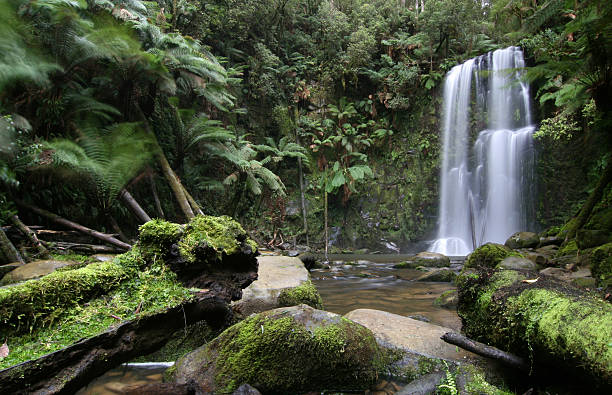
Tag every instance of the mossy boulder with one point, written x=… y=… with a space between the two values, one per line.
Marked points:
x=523 y=240
x=305 y=293
x=550 y=322
x=570 y=248
x=489 y=255
x=425 y=259
x=443 y=275
x=286 y=350
x=448 y=299
x=601 y=265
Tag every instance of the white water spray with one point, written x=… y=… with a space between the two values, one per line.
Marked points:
x=485 y=192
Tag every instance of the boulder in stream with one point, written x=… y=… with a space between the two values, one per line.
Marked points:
x=523 y=240
x=489 y=255
x=285 y=350
x=281 y=281
x=425 y=259
x=33 y=270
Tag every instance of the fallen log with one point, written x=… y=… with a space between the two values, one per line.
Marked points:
x=133 y=205
x=484 y=350
x=555 y=325
x=8 y=252
x=73 y=225
x=67 y=370
x=30 y=235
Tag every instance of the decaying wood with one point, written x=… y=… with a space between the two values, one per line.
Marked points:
x=73 y=225
x=133 y=205
x=484 y=350
x=67 y=370
x=8 y=252
x=30 y=235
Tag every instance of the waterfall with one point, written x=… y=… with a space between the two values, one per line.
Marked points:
x=486 y=185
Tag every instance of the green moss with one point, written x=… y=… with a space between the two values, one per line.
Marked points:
x=147 y=293
x=168 y=376
x=549 y=321
x=306 y=293
x=282 y=355
x=32 y=303
x=212 y=237
x=477 y=383
x=571 y=248
x=446 y=299
x=156 y=237
x=181 y=342
x=601 y=265
x=73 y=258
x=489 y=255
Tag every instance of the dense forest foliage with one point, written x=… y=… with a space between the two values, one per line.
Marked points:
x=278 y=112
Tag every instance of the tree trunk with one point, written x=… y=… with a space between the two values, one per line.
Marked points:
x=585 y=212
x=194 y=205
x=117 y=228
x=326 y=231
x=8 y=250
x=303 y=199
x=133 y=205
x=158 y=207
x=31 y=236
x=552 y=324
x=72 y=225
x=175 y=184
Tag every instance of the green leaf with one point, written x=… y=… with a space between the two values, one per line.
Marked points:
x=338 y=180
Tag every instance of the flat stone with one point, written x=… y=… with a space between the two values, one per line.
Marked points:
x=34 y=270
x=396 y=331
x=275 y=274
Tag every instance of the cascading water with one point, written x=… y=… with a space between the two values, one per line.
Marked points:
x=485 y=192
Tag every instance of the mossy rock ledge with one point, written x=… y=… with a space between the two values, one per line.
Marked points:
x=285 y=350
x=208 y=252
x=557 y=326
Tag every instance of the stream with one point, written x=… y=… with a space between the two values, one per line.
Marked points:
x=350 y=282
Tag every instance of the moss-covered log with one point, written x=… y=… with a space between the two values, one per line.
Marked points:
x=29 y=304
x=540 y=318
x=67 y=370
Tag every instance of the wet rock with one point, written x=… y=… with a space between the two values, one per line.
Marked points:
x=103 y=257
x=412 y=336
x=424 y=385
x=516 y=263
x=160 y=389
x=448 y=299
x=281 y=281
x=567 y=275
x=34 y=269
x=438 y=275
x=286 y=350
x=246 y=389
x=537 y=258
x=426 y=259
x=523 y=240
x=419 y=317
x=4 y=269
x=550 y=240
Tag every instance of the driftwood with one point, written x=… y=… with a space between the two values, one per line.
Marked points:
x=30 y=235
x=484 y=350
x=73 y=225
x=67 y=370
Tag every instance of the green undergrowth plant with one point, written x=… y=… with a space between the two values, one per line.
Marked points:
x=146 y=293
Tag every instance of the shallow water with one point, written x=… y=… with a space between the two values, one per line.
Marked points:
x=377 y=285
x=116 y=381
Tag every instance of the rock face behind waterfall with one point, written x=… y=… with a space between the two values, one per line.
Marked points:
x=486 y=191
